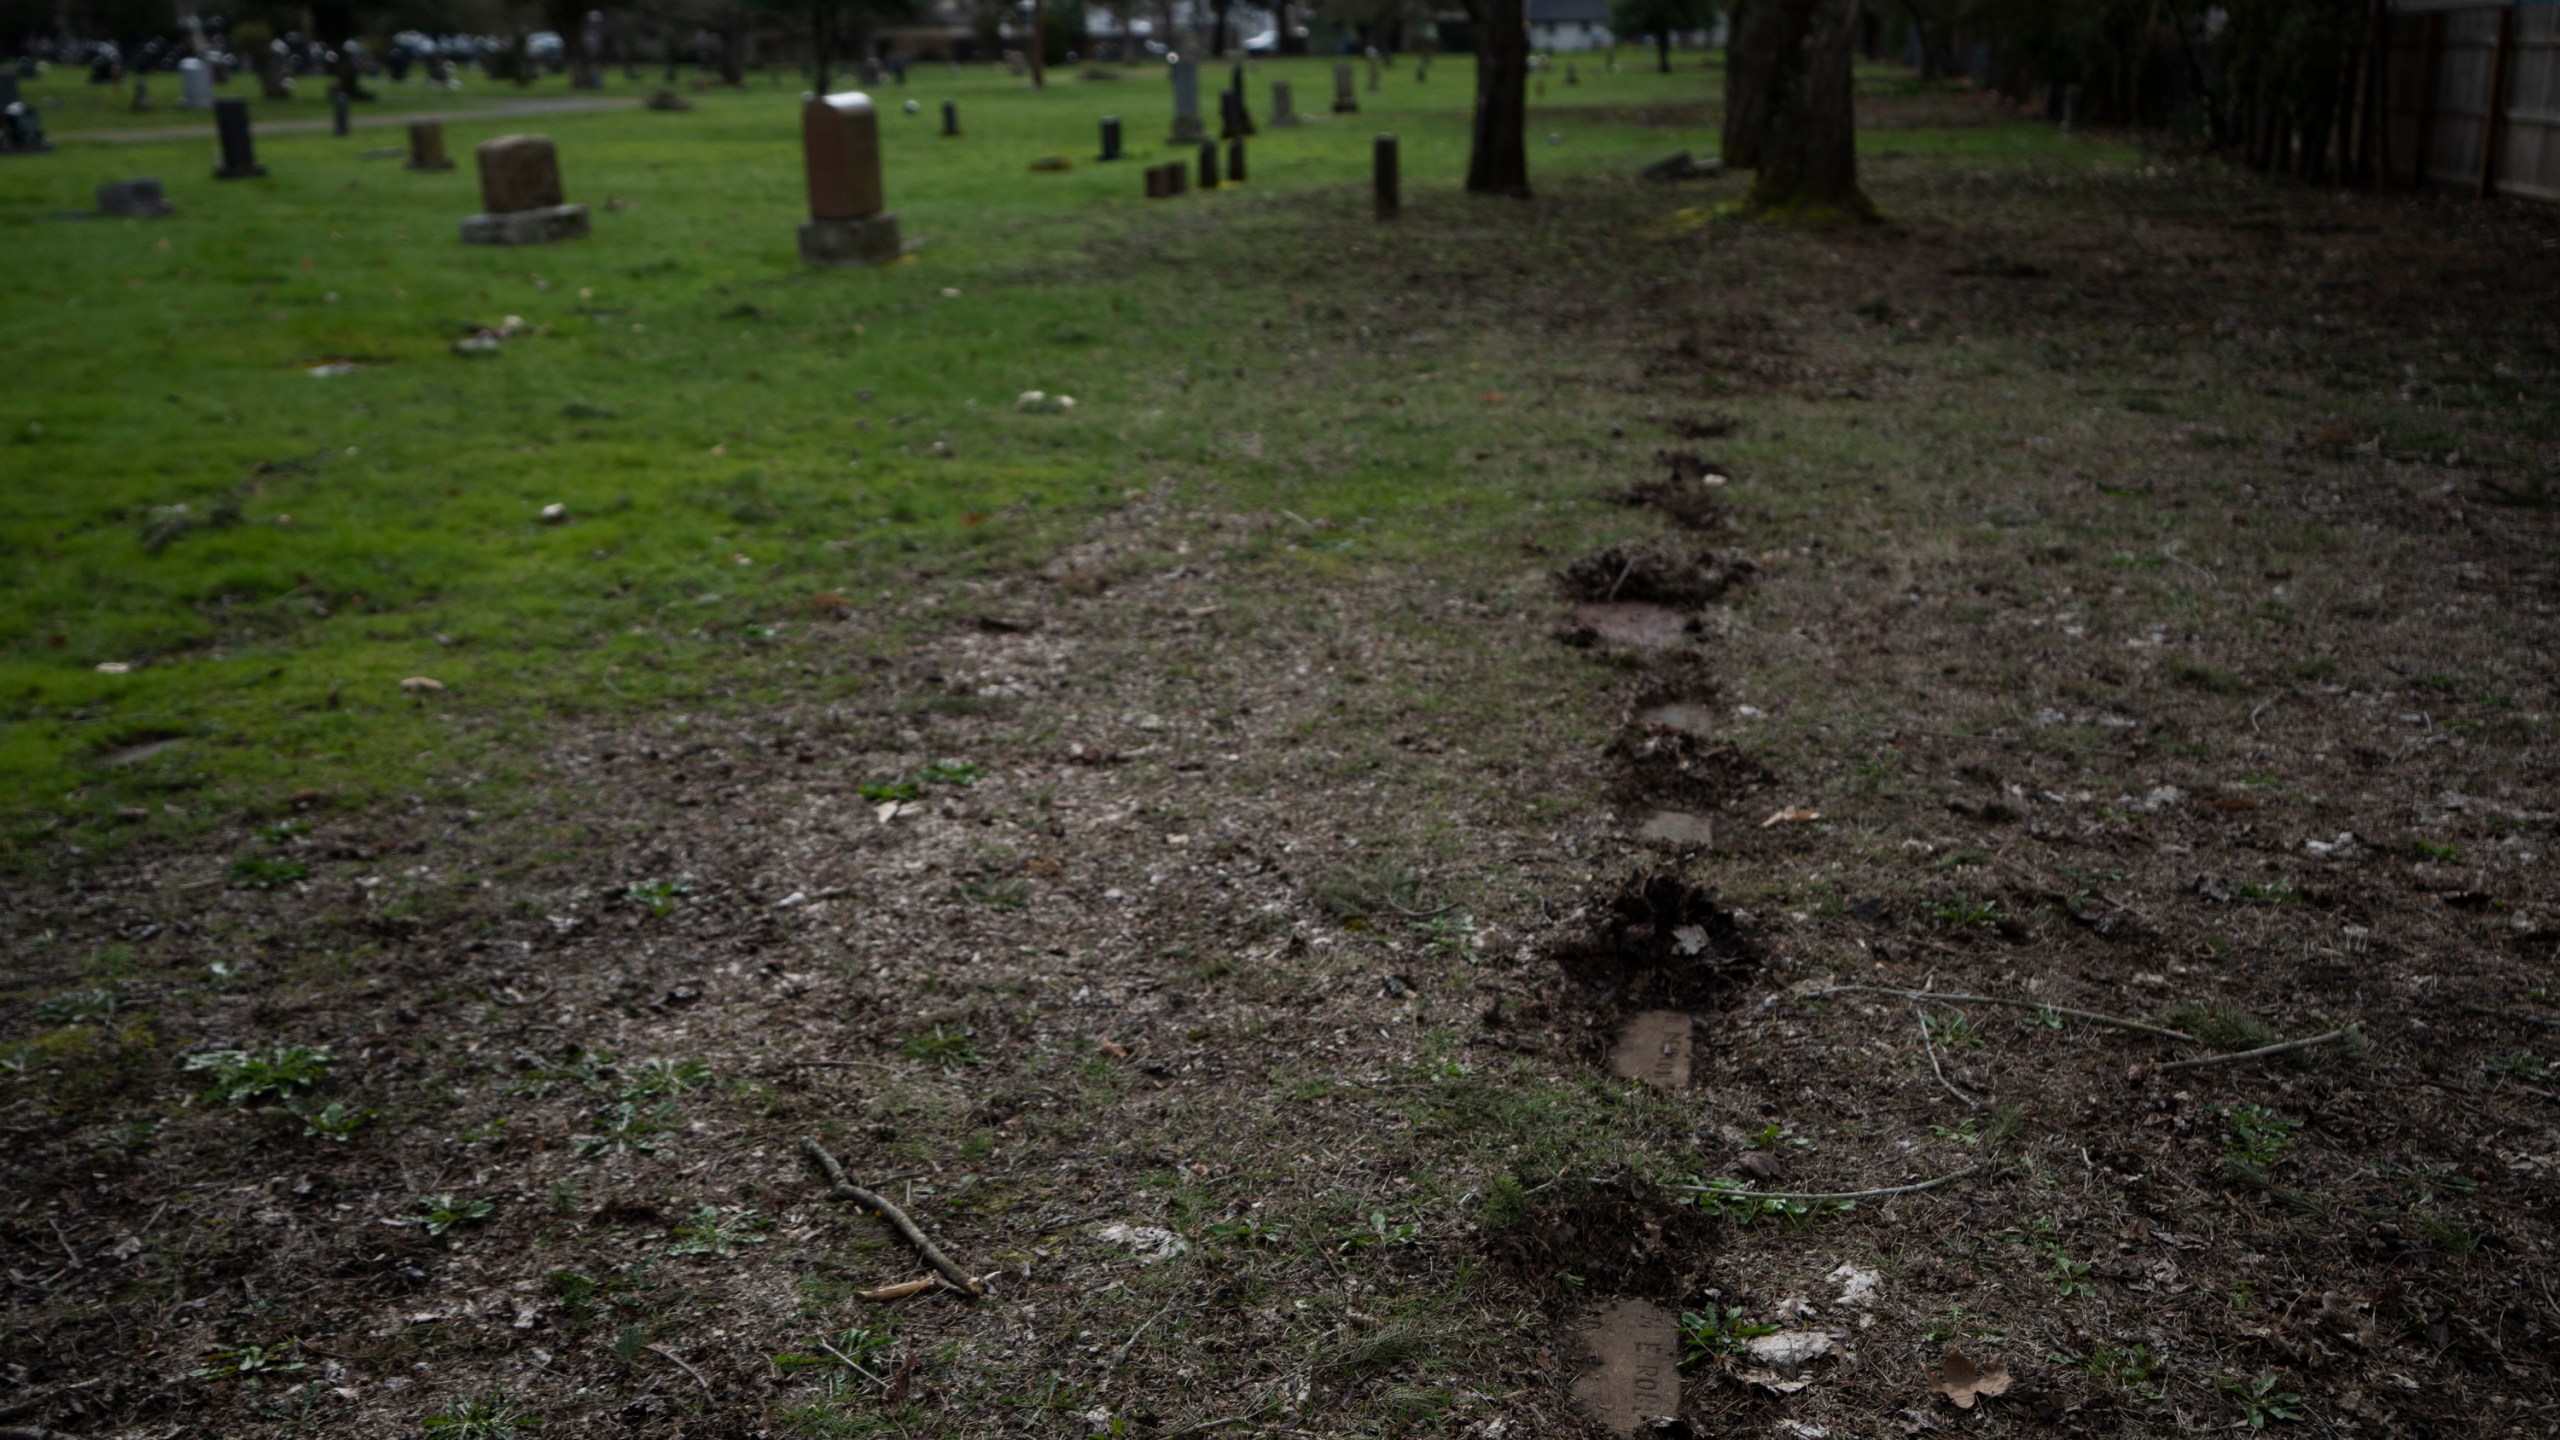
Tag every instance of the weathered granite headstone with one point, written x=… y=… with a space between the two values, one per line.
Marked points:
x=195 y=84
x=21 y=129
x=141 y=93
x=1187 y=129
x=1346 y=98
x=1383 y=177
x=338 y=112
x=426 y=146
x=1110 y=137
x=520 y=195
x=1373 y=71
x=239 y=156
x=1284 y=113
x=840 y=140
x=134 y=197
x=950 y=118
x=1235 y=162
x=1177 y=178
x=1208 y=164
x=1156 y=189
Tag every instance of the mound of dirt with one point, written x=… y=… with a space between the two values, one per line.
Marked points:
x=1659 y=941
x=1618 y=1239
x=1687 y=492
x=1679 y=770
x=1627 y=572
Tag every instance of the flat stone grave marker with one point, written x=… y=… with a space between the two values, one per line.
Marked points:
x=134 y=197
x=1633 y=1369
x=1636 y=623
x=1653 y=1046
x=1686 y=716
x=848 y=224
x=520 y=195
x=1677 y=830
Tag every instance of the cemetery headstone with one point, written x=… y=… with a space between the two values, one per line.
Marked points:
x=1653 y=1047
x=840 y=139
x=950 y=118
x=1572 y=74
x=134 y=197
x=1208 y=164
x=1346 y=98
x=1110 y=137
x=1177 y=178
x=195 y=84
x=1244 y=111
x=1155 y=183
x=1186 y=103
x=1373 y=72
x=1383 y=177
x=1235 y=162
x=239 y=155
x=520 y=195
x=871 y=70
x=21 y=129
x=141 y=93
x=338 y=112
x=1284 y=113
x=426 y=146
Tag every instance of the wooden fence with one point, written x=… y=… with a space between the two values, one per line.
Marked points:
x=2472 y=98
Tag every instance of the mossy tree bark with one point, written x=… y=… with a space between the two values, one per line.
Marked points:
x=1498 y=160
x=1745 y=95
x=1806 y=145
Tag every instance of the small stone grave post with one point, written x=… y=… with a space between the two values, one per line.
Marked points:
x=1346 y=97
x=338 y=112
x=1208 y=164
x=1572 y=73
x=950 y=119
x=520 y=195
x=195 y=84
x=1155 y=183
x=1373 y=70
x=1244 y=111
x=1111 y=137
x=1235 y=161
x=1383 y=177
x=141 y=93
x=1187 y=129
x=426 y=146
x=239 y=156
x=1177 y=178
x=1284 y=113
x=840 y=139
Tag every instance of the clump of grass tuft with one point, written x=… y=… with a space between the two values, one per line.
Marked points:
x=1366 y=889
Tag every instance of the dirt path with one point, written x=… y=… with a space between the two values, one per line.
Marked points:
x=357 y=120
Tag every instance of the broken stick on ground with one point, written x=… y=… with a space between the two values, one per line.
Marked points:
x=846 y=1190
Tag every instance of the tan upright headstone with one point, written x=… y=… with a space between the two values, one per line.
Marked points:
x=520 y=195
x=840 y=145
x=426 y=146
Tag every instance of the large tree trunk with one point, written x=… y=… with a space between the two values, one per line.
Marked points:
x=1807 y=147
x=1746 y=90
x=1498 y=160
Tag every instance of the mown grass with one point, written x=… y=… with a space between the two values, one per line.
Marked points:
x=746 y=451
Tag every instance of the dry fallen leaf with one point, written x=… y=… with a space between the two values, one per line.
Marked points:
x=1962 y=1383
x=901 y=1290
x=1792 y=815
x=1112 y=1048
x=420 y=685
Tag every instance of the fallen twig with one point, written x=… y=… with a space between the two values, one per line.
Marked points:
x=852 y=1364
x=1739 y=1194
x=2279 y=1048
x=1951 y=998
x=1931 y=1045
x=1123 y=1352
x=672 y=1358
x=846 y=1190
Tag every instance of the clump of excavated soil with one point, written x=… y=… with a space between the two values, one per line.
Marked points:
x=1616 y=1238
x=1630 y=573
x=1660 y=941
x=1687 y=492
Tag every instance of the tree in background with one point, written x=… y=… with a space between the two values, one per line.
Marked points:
x=1661 y=19
x=1498 y=149
x=1793 y=58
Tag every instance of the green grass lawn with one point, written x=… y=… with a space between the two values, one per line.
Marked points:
x=270 y=550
